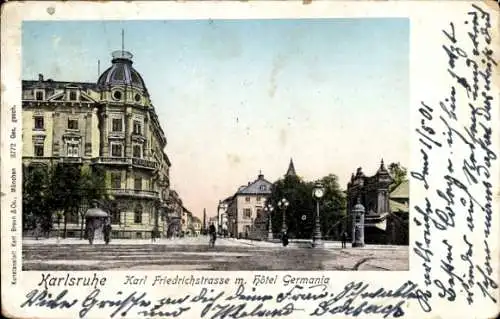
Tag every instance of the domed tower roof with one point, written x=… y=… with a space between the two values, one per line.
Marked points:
x=121 y=72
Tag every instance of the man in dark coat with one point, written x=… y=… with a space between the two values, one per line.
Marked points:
x=107 y=231
x=344 y=239
x=154 y=234
x=284 y=239
x=213 y=234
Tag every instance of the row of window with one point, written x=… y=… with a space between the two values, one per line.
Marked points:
x=116 y=181
x=247 y=212
x=117 y=125
x=117 y=96
x=115 y=217
x=117 y=150
x=40 y=125
x=72 y=95
x=247 y=199
x=73 y=150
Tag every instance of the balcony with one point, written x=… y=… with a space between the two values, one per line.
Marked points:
x=138 y=162
x=138 y=137
x=116 y=135
x=68 y=159
x=133 y=193
x=113 y=160
x=144 y=163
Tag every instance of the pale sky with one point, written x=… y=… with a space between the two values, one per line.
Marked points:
x=235 y=97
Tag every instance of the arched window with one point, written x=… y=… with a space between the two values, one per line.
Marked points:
x=138 y=214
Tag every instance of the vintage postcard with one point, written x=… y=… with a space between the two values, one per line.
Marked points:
x=258 y=159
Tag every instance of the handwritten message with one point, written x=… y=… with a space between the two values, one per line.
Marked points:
x=354 y=299
x=455 y=139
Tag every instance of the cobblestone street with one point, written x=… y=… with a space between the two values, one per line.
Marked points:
x=194 y=254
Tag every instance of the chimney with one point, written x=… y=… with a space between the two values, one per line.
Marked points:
x=40 y=77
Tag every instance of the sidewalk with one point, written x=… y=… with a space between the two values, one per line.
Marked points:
x=304 y=243
x=202 y=240
x=78 y=241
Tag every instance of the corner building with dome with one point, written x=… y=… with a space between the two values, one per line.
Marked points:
x=111 y=124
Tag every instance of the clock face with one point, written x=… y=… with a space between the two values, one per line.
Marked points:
x=318 y=192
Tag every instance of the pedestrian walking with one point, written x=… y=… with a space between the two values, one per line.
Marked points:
x=344 y=239
x=107 y=231
x=213 y=235
x=153 y=234
x=90 y=233
x=284 y=239
x=38 y=230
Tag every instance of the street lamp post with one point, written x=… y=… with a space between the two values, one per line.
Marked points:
x=251 y=228
x=283 y=204
x=318 y=192
x=234 y=228
x=269 y=209
x=218 y=217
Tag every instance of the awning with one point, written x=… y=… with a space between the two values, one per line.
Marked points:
x=379 y=222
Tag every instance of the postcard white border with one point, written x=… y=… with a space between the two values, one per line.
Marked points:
x=428 y=82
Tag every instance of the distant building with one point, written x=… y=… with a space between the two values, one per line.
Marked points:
x=222 y=224
x=386 y=215
x=246 y=207
x=187 y=223
x=174 y=213
x=197 y=226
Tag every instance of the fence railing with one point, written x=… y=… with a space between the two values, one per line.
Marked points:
x=133 y=192
x=127 y=161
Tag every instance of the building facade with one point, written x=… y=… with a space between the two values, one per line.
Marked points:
x=112 y=124
x=174 y=212
x=222 y=224
x=197 y=226
x=187 y=223
x=398 y=220
x=385 y=212
x=245 y=210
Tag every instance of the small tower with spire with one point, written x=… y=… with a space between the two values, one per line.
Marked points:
x=291 y=169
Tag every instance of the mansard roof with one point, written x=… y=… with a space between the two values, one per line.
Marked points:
x=51 y=84
x=260 y=186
